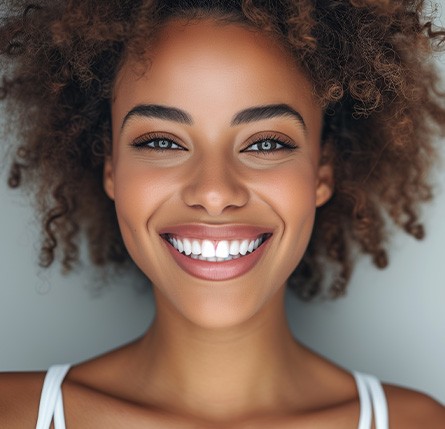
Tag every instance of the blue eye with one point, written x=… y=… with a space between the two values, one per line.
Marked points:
x=162 y=144
x=156 y=143
x=265 y=146
x=270 y=145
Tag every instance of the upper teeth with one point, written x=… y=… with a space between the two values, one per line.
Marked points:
x=214 y=249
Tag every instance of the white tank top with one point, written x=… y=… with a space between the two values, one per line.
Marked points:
x=371 y=394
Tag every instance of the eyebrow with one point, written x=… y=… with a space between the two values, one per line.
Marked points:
x=267 y=112
x=159 y=112
x=245 y=116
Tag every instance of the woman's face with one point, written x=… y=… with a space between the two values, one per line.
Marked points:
x=216 y=147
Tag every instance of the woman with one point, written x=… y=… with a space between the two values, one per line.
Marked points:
x=228 y=149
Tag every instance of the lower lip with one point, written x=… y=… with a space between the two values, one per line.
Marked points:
x=217 y=271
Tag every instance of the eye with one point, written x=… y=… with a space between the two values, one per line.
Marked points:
x=270 y=144
x=265 y=146
x=154 y=142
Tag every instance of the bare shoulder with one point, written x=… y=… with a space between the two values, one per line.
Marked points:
x=19 y=398
x=413 y=410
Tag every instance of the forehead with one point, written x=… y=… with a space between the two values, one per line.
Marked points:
x=197 y=65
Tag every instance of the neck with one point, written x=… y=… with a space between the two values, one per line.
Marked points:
x=219 y=372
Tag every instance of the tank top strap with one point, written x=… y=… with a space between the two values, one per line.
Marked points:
x=51 y=400
x=365 y=418
x=379 y=403
x=372 y=398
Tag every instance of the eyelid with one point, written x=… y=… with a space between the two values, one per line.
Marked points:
x=142 y=141
x=286 y=142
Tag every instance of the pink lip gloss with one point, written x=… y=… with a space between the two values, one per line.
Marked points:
x=217 y=271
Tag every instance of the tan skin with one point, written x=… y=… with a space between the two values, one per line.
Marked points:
x=221 y=354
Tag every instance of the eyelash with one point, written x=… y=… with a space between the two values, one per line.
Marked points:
x=155 y=139
x=144 y=141
x=286 y=145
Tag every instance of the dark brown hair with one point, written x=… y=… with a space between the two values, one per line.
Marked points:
x=370 y=62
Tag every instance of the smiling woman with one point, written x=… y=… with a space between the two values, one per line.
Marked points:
x=228 y=150
x=241 y=166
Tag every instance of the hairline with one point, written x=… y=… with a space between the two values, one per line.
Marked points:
x=194 y=16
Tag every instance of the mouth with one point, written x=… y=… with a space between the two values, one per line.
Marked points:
x=211 y=250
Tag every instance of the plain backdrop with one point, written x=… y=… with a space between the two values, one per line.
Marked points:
x=391 y=322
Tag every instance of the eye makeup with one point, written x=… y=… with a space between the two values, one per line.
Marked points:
x=156 y=142
x=264 y=144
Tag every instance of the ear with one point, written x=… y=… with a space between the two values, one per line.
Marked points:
x=108 y=177
x=325 y=181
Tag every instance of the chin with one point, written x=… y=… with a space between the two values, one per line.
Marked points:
x=218 y=309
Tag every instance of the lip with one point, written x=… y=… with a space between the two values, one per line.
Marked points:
x=216 y=232
x=217 y=271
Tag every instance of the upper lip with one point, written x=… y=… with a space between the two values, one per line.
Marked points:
x=216 y=232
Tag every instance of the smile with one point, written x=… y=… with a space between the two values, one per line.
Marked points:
x=216 y=253
x=213 y=250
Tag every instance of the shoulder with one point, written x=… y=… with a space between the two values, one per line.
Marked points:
x=413 y=410
x=19 y=398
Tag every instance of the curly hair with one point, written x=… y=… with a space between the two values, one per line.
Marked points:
x=370 y=65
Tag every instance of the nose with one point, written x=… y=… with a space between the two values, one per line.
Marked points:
x=214 y=186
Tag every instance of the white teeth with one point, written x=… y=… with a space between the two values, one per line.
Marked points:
x=187 y=246
x=207 y=249
x=234 y=248
x=196 y=247
x=222 y=249
x=243 y=247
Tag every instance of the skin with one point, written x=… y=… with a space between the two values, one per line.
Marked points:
x=232 y=334
x=218 y=354
x=214 y=182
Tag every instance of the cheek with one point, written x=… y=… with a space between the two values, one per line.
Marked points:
x=290 y=191
x=292 y=196
x=139 y=191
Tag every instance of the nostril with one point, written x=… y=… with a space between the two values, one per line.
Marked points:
x=214 y=196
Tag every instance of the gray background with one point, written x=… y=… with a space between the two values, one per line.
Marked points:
x=391 y=323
